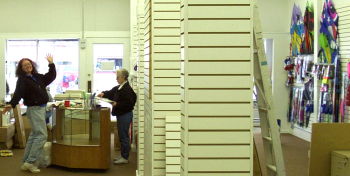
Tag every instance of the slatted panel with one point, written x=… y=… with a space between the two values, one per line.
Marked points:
x=216 y=87
x=162 y=82
x=344 y=38
x=220 y=174
x=134 y=81
x=344 y=35
x=172 y=150
x=218 y=151
x=225 y=54
x=211 y=2
x=148 y=124
x=225 y=165
x=140 y=97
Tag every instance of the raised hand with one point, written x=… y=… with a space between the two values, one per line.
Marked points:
x=49 y=58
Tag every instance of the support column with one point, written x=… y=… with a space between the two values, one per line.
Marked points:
x=141 y=93
x=162 y=78
x=216 y=87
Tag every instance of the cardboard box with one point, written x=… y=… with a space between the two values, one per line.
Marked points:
x=6 y=136
x=340 y=163
x=6 y=145
x=4 y=119
x=7 y=132
x=327 y=137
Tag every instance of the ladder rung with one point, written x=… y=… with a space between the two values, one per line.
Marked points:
x=272 y=167
x=264 y=109
x=268 y=138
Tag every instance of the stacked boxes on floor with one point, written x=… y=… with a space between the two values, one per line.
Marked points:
x=340 y=163
x=7 y=131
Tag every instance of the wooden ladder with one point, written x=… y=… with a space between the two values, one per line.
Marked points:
x=268 y=122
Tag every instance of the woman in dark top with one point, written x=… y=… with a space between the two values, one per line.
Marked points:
x=31 y=86
x=124 y=99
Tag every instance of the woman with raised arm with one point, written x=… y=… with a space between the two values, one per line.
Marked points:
x=31 y=87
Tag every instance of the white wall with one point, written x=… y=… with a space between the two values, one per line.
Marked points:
x=63 y=15
x=275 y=25
x=274 y=20
x=102 y=19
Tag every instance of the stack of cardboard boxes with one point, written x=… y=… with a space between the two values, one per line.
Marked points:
x=340 y=163
x=7 y=131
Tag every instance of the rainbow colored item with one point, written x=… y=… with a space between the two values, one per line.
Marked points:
x=296 y=31
x=307 y=46
x=328 y=33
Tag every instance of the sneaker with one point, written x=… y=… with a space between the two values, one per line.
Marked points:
x=31 y=167
x=117 y=158
x=121 y=161
x=24 y=168
x=49 y=126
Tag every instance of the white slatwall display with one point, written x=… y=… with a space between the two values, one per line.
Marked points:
x=173 y=145
x=216 y=87
x=344 y=34
x=135 y=121
x=133 y=81
x=344 y=38
x=162 y=78
x=148 y=156
x=141 y=94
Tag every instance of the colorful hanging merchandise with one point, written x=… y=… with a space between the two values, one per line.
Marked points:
x=328 y=33
x=301 y=94
x=345 y=103
x=289 y=67
x=300 y=67
x=307 y=46
x=330 y=76
x=345 y=97
x=296 y=31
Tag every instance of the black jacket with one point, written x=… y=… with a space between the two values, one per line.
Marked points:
x=125 y=98
x=33 y=89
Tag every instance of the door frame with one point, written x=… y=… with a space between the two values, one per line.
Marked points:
x=86 y=66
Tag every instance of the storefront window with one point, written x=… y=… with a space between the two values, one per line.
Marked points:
x=66 y=59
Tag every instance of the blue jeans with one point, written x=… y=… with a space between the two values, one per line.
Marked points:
x=38 y=135
x=123 y=124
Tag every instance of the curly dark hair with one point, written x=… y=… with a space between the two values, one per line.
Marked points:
x=20 y=72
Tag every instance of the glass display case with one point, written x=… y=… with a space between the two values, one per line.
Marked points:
x=81 y=138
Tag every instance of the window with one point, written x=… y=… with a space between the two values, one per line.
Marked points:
x=66 y=59
x=107 y=58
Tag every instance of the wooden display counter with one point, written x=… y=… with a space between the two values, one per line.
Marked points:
x=82 y=138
